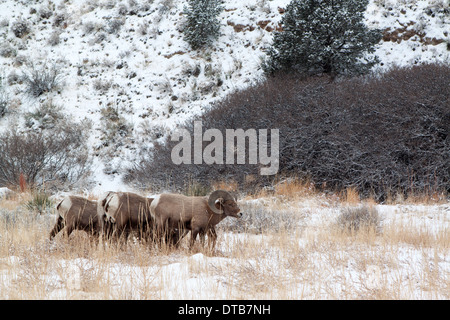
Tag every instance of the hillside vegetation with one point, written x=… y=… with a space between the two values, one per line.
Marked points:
x=382 y=135
x=123 y=70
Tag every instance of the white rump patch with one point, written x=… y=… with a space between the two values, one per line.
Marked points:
x=64 y=206
x=153 y=205
x=112 y=204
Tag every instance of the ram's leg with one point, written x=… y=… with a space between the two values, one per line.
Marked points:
x=59 y=225
x=124 y=235
x=212 y=237
x=159 y=231
x=68 y=230
x=179 y=235
x=94 y=239
x=194 y=233
x=202 y=238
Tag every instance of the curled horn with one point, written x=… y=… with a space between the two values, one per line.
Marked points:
x=217 y=195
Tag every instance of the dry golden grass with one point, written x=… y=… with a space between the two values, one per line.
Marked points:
x=226 y=185
x=351 y=196
x=408 y=259
x=294 y=188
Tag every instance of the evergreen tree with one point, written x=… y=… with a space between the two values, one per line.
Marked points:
x=202 y=23
x=324 y=36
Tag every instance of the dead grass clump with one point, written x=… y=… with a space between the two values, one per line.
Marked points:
x=231 y=186
x=195 y=189
x=362 y=217
x=417 y=236
x=259 y=218
x=350 y=195
x=40 y=202
x=294 y=188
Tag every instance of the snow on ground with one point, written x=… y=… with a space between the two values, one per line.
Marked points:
x=130 y=56
x=311 y=264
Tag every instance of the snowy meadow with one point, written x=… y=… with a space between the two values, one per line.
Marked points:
x=119 y=79
x=287 y=246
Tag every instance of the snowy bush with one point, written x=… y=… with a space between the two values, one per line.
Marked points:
x=4 y=101
x=60 y=20
x=45 y=116
x=89 y=27
x=7 y=51
x=114 y=25
x=165 y=6
x=41 y=80
x=202 y=23
x=114 y=128
x=20 y=28
x=45 y=12
x=323 y=37
x=54 y=38
x=102 y=85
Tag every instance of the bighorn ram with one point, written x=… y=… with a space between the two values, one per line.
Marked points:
x=120 y=213
x=76 y=213
x=197 y=214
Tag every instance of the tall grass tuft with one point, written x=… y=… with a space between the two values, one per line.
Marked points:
x=353 y=219
x=39 y=202
x=195 y=189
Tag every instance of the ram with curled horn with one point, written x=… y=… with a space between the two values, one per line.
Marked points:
x=199 y=215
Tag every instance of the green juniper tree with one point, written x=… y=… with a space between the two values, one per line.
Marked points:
x=323 y=36
x=202 y=23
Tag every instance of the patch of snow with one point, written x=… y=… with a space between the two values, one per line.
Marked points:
x=144 y=67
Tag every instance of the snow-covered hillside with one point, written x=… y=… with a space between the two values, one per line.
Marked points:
x=129 y=58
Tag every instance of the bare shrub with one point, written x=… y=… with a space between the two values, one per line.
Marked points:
x=56 y=158
x=195 y=189
x=353 y=219
x=259 y=218
x=41 y=80
x=376 y=134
